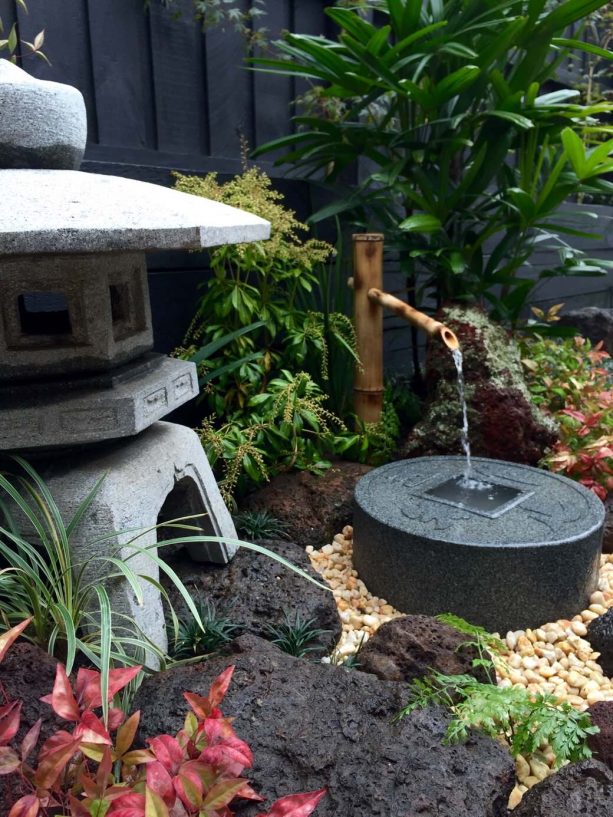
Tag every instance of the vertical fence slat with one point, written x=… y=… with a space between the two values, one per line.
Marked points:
x=229 y=91
x=8 y=17
x=122 y=73
x=273 y=94
x=179 y=78
x=66 y=46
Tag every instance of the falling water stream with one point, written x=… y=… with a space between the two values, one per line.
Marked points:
x=457 y=359
x=467 y=480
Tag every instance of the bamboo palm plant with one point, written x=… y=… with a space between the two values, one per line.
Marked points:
x=467 y=146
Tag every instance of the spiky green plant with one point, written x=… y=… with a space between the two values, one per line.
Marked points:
x=194 y=640
x=260 y=525
x=295 y=635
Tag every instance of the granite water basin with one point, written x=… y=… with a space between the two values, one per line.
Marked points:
x=520 y=549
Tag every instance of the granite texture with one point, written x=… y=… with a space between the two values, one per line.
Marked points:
x=45 y=415
x=59 y=211
x=536 y=562
x=106 y=313
x=161 y=475
x=43 y=124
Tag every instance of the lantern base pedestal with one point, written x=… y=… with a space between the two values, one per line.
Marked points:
x=161 y=475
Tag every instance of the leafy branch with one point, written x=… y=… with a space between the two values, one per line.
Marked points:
x=525 y=720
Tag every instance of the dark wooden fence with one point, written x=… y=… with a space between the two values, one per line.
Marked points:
x=159 y=92
x=161 y=95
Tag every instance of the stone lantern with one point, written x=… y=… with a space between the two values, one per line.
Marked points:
x=80 y=388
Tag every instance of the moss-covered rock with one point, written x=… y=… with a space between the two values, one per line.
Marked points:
x=503 y=422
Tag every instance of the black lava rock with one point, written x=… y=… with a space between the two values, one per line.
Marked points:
x=312 y=725
x=26 y=674
x=254 y=590
x=601 y=744
x=410 y=647
x=314 y=507
x=582 y=789
x=593 y=323
x=600 y=636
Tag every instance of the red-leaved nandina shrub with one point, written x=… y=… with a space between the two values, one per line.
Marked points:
x=93 y=771
x=568 y=380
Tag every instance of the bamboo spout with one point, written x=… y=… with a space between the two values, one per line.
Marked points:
x=435 y=329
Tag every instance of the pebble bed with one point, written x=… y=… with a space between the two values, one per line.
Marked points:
x=554 y=658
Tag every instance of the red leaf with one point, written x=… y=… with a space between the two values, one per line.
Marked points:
x=88 y=685
x=125 y=734
x=219 y=687
x=248 y=793
x=295 y=805
x=189 y=787
x=129 y=805
x=160 y=781
x=30 y=740
x=168 y=751
x=62 y=699
x=27 y=806
x=9 y=760
x=53 y=762
x=222 y=793
x=206 y=707
x=154 y=805
x=226 y=758
x=7 y=638
x=201 y=706
x=103 y=775
x=91 y=730
x=116 y=718
x=9 y=721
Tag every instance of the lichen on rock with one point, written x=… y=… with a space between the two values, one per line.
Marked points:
x=503 y=422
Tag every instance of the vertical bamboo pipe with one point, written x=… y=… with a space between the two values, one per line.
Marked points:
x=368 y=318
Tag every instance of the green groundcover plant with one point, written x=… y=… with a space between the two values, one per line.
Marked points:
x=526 y=721
x=568 y=380
x=93 y=770
x=466 y=143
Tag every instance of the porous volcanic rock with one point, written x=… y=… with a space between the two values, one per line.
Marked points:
x=254 y=590
x=26 y=674
x=593 y=323
x=314 y=507
x=600 y=636
x=602 y=744
x=582 y=789
x=311 y=725
x=409 y=647
x=503 y=422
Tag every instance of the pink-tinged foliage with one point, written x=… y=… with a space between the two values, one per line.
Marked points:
x=567 y=380
x=27 y=806
x=9 y=721
x=295 y=805
x=93 y=769
x=7 y=638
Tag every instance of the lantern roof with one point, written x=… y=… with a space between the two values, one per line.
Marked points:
x=65 y=211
